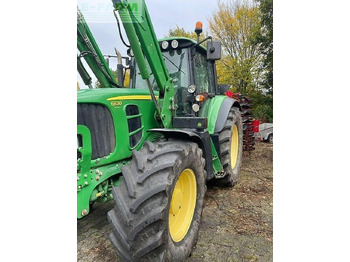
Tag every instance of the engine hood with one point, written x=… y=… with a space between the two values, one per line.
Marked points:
x=101 y=95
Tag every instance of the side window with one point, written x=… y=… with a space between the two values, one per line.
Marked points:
x=203 y=71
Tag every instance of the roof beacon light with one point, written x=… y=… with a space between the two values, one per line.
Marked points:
x=199 y=28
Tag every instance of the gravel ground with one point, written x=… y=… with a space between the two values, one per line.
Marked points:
x=236 y=222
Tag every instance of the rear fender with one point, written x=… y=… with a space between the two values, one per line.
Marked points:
x=218 y=111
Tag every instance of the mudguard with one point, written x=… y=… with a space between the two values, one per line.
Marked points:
x=202 y=139
x=218 y=111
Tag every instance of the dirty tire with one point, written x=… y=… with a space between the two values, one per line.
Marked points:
x=225 y=137
x=270 y=138
x=140 y=217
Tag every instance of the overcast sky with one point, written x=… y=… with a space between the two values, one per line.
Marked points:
x=165 y=14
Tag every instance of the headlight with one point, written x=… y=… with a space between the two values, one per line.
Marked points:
x=195 y=107
x=165 y=44
x=174 y=44
x=191 y=89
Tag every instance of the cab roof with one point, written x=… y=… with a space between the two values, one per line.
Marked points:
x=183 y=42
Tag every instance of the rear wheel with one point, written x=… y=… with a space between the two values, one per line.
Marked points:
x=159 y=203
x=231 y=148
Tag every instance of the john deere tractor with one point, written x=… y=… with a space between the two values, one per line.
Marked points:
x=151 y=147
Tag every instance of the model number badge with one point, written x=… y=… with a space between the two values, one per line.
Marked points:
x=116 y=103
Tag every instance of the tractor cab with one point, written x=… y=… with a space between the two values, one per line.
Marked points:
x=192 y=72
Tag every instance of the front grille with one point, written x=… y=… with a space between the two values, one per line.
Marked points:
x=98 y=119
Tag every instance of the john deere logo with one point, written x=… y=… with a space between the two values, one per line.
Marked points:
x=116 y=103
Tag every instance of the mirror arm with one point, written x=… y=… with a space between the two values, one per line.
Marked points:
x=209 y=37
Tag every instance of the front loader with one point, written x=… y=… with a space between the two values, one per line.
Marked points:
x=151 y=147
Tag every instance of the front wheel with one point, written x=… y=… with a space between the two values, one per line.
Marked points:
x=159 y=203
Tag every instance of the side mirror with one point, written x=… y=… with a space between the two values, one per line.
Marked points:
x=214 y=50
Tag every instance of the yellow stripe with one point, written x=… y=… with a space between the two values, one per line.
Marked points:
x=134 y=97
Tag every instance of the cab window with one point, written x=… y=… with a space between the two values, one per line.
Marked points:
x=203 y=74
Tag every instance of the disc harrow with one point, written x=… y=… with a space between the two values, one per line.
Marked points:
x=247 y=119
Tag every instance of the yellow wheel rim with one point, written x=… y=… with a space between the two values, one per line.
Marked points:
x=182 y=205
x=234 y=146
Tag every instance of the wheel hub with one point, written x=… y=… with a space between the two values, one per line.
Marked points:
x=182 y=205
x=234 y=146
x=175 y=205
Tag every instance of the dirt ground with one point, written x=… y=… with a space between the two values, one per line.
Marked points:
x=236 y=222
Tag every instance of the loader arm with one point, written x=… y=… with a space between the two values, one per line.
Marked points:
x=146 y=50
x=92 y=54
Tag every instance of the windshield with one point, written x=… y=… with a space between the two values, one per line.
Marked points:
x=177 y=64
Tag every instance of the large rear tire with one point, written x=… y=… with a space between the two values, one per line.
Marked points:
x=159 y=203
x=231 y=148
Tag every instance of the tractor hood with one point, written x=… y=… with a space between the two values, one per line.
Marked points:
x=101 y=95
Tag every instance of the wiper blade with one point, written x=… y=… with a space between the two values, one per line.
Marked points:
x=174 y=64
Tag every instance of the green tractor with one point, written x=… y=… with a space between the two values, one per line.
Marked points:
x=153 y=146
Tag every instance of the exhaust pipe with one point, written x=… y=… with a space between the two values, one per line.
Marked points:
x=120 y=68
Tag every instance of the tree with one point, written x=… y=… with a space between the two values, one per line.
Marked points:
x=265 y=39
x=181 y=32
x=236 y=25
